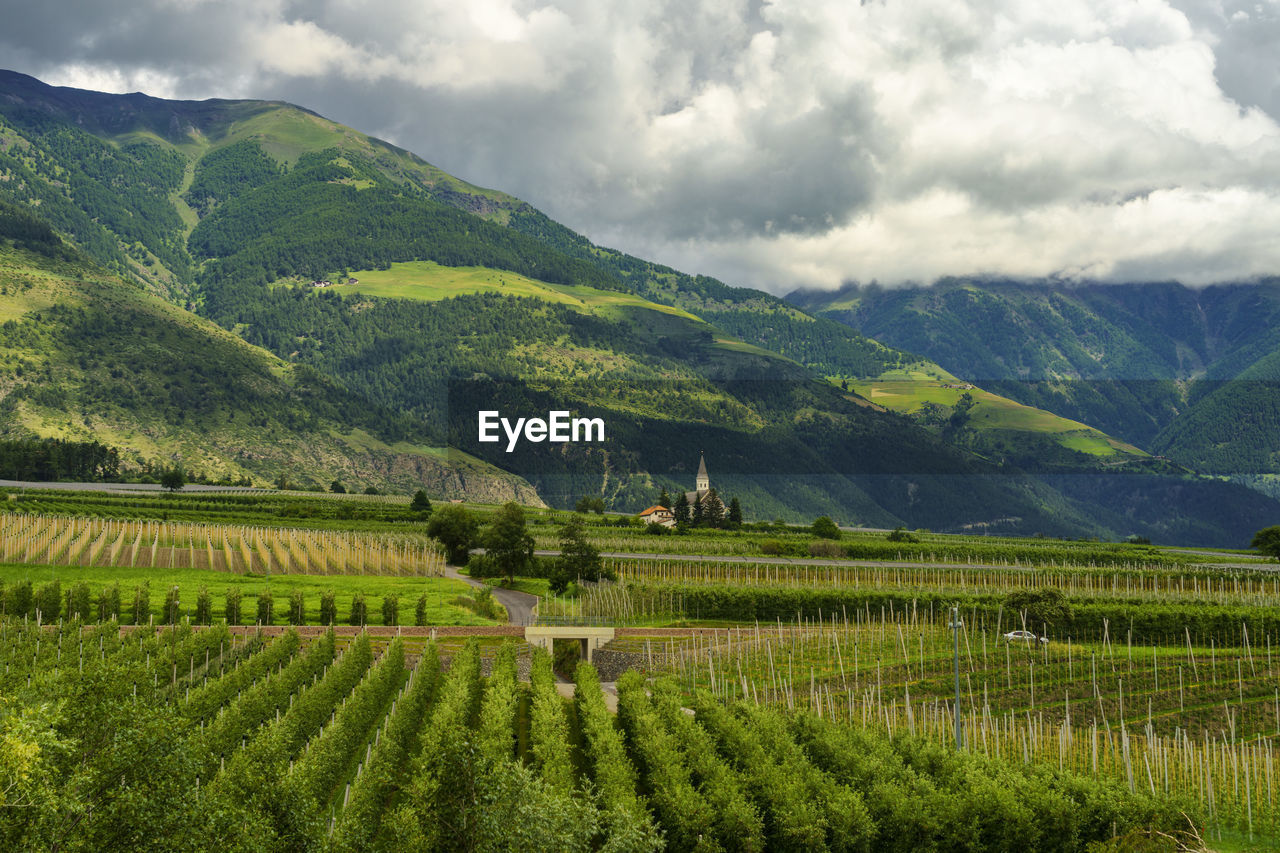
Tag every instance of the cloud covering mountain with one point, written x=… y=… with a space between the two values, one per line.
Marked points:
x=773 y=144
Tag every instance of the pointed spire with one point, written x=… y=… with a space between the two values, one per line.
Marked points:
x=702 y=466
x=703 y=482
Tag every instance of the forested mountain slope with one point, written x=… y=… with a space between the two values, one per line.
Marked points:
x=1180 y=371
x=85 y=356
x=401 y=299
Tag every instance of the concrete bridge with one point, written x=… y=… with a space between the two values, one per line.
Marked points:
x=589 y=638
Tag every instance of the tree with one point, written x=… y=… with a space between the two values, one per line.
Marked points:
x=507 y=542
x=824 y=528
x=698 y=513
x=359 y=610
x=735 y=513
x=681 y=510
x=337 y=488
x=328 y=607
x=420 y=504
x=297 y=608
x=482 y=566
x=592 y=504
x=901 y=534
x=456 y=528
x=266 y=607
x=960 y=414
x=371 y=490
x=1040 y=607
x=173 y=478
x=172 y=606
x=232 y=609
x=141 y=609
x=664 y=499
x=713 y=509
x=204 y=606
x=578 y=557
x=282 y=482
x=1267 y=540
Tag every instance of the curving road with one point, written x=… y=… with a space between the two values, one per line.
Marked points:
x=519 y=605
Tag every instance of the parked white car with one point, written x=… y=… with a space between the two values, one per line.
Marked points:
x=1024 y=636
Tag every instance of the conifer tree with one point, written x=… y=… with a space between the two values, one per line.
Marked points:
x=681 y=510
x=713 y=509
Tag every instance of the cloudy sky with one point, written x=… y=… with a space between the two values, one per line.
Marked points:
x=776 y=144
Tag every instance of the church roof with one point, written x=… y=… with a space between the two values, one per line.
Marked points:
x=702 y=466
x=653 y=509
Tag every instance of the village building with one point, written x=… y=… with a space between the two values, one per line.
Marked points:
x=665 y=515
x=701 y=485
x=661 y=514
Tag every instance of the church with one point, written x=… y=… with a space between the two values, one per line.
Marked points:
x=664 y=515
x=701 y=485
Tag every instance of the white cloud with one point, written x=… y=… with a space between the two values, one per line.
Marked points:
x=795 y=142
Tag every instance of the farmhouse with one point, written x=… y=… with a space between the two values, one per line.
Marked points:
x=660 y=514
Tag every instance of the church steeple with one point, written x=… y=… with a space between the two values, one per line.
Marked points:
x=704 y=482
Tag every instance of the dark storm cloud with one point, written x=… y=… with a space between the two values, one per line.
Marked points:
x=774 y=143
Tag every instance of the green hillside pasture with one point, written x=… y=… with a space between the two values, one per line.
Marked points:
x=990 y=412
x=427 y=281
x=440 y=592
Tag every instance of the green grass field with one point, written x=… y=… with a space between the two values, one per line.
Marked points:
x=427 y=281
x=910 y=391
x=440 y=592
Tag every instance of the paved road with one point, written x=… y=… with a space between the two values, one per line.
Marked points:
x=1258 y=565
x=121 y=487
x=1216 y=554
x=519 y=604
x=777 y=561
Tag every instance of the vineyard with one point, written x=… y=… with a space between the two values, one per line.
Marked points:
x=1147 y=583
x=777 y=701
x=1196 y=718
x=285 y=745
x=66 y=541
x=798 y=542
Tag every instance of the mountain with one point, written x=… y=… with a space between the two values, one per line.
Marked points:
x=389 y=302
x=1185 y=372
x=85 y=356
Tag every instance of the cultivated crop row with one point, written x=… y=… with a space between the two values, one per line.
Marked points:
x=64 y=541
x=1199 y=719
x=349 y=751
x=1157 y=584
